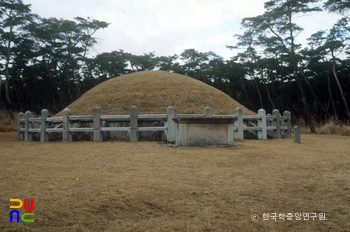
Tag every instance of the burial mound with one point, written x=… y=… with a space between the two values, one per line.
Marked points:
x=152 y=92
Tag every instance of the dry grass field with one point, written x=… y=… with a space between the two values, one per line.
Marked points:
x=6 y=123
x=123 y=186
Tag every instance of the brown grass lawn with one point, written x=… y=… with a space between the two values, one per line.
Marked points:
x=122 y=186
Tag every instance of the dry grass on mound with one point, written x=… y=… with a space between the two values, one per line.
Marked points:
x=122 y=186
x=153 y=92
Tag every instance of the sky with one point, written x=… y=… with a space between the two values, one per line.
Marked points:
x=168 y=27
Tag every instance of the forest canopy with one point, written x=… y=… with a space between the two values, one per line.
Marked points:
x=45 y=62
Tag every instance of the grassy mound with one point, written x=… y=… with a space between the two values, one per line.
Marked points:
x=152 y=92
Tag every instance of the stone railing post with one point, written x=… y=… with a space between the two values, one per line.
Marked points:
x=97 y=123
x=171 y=124
x=288 y=122
x=276 y=114
x=262 y=134
x=239 y=124
x=208 y=112
x=20 y=135
x=297 y=134
x=133 y=124
x=67 y=135
x=28 y=136
x=44 y=136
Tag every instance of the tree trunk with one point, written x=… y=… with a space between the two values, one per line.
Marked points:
x=339 y=86
x=307 y=113
x=331 y=96
x=1 y=103
x=314 y=95
x=267 y=89
x=274 y=92
x=7 y=75
x=262 y=78
x=54 y=107
x=257 y=89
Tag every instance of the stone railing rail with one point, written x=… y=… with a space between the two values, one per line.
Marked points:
x=260 y=125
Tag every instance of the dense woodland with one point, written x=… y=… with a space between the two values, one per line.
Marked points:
x=45 y=62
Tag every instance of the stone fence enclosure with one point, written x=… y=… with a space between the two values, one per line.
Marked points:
x=134 y=126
